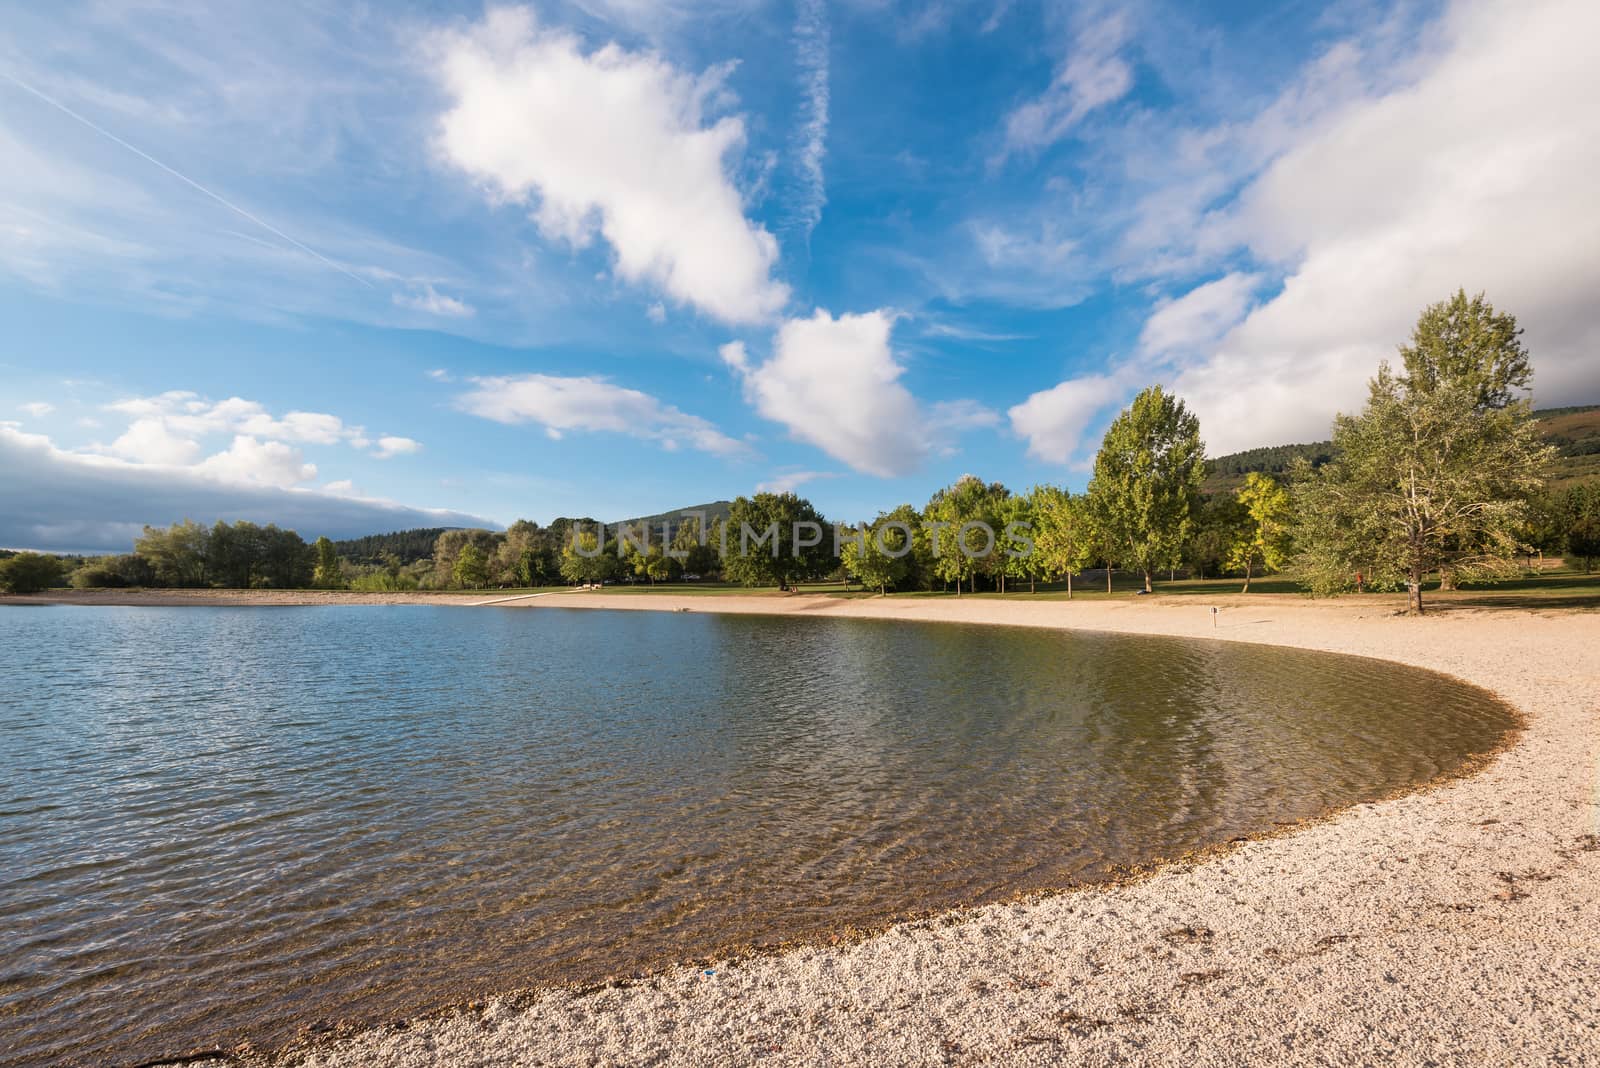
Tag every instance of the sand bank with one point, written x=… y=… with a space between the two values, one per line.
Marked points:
x=1458 y=925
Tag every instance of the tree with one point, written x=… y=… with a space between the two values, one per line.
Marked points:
x=114 y=572
x=1146 y=485
x=471 y=567
x=760 y=547
x=584 y=559
x=1424 y=479
x=877 y=557
x=1465 y=342
x=1582 y=508
x=1015 y=549
x=1065 y=540
x=329 y=575
x=1220 y=523
x=1263 y=539
x=178 y=554
x=695 y=553
x=963 y=532
x=29 y=573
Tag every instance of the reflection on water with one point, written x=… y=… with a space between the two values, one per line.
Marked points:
x=231 y=823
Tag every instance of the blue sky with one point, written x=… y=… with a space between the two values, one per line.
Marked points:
x=364 y=267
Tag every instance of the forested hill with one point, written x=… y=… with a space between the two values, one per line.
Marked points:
x=1575 y=432
x=408 y=545
x=715 y=511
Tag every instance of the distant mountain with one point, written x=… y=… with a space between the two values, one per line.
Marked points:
x=1575 y=432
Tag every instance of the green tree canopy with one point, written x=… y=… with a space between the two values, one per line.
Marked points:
x=1425 y=478
x=1146 y=486
x=964 y=529
x=1464 y=342
x=29 y=573
x=329 y=574
x=759 y=544
x=878 y=555
x=1262 y=540
x=471 y=569
x=1065 y=537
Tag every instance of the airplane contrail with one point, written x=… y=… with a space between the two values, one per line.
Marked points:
x=224 y=201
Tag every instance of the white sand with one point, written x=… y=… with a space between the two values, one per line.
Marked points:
x=1459 y=925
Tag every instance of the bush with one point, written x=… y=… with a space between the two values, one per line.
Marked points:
x=29 y=573
x=114 y=572
x=382 y=582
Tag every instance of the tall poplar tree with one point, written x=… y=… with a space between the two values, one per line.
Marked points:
x=1146 y=486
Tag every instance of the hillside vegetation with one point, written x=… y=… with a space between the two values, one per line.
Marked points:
x=1575 y=432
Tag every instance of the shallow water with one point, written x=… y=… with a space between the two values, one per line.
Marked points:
x=220 y=824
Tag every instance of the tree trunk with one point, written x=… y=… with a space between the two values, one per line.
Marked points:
x=1069 y=585
x=1108 y=579
x=1447 y=579
x=883 y=591
x=1414 y=592
x=1032 y=588
x=1147 y=580
x=1246 y=577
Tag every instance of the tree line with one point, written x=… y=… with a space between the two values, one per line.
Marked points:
x=1442 y=473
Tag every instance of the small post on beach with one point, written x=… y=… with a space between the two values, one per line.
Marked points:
x=1213 y=617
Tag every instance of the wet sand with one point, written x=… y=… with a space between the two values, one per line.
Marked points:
x=1457 y=925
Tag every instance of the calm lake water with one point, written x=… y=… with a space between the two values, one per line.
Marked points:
x=220 y=824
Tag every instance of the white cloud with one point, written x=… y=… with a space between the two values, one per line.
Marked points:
x=789 y=481
x=1379 y=183
x=1092 y=76
x=1199 y=317
x=439 y=374
x=811 y=37
x=835 y=383
x=149 y=441
x=37 y=409
x=267 y=463
x=611 y=142
x=657 y=313
x=592 y=404
x=392 y=445
x=433 y=302
x=1476 y=175
x=1054 y=420
x=67 y=501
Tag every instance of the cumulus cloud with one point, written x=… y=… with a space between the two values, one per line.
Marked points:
x=1053 y=421
x=1475 y=175
x=168 y=428
x=391 y=445
x=835 y=383
x=1092 y=76
x=592 y=404
x=1470 y=171
x=615 y=143
x=1200 y=317
x=268 y=463
x=66 y=501
x=37 y=409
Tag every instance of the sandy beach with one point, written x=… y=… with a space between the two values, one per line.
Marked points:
x=1456 y=925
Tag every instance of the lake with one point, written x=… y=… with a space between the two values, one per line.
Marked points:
x=220 y=824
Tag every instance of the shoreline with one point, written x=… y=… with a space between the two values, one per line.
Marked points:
x=1459 y=923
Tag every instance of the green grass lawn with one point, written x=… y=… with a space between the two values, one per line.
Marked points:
x=1556 y=588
